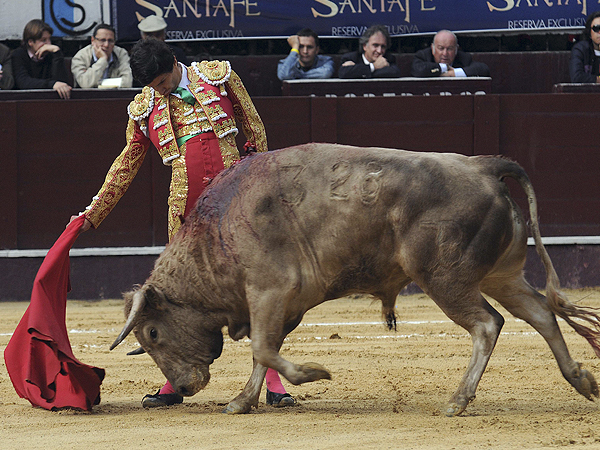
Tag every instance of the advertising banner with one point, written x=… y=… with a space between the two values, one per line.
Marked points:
x=72 y=19
x=190 y=20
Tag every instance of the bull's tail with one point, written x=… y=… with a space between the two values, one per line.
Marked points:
x=558 y=302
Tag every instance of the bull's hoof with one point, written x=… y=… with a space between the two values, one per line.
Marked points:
x=453 y=410
x=457 y=405
x=314 y=372
x=236 y=408
x=586 y=385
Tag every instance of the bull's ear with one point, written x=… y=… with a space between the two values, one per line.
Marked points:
x=155 y=297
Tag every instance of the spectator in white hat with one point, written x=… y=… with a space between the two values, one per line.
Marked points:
x=156 y=27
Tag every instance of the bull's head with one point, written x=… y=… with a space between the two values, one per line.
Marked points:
x=180 y=339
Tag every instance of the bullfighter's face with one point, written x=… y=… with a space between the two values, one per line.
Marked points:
x=180 y=340
x=166 y=83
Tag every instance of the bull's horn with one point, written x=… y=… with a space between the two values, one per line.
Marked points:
x=138 y=302
x=137 y=351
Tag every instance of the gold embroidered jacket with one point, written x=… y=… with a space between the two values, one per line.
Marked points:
x=223 y=98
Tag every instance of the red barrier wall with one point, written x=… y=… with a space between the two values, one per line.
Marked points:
x=56 y=153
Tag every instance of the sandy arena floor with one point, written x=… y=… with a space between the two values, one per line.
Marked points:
x=387 y=391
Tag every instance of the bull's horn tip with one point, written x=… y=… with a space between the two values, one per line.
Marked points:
x=137 y=351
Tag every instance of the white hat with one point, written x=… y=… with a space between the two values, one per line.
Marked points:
x=152 y=24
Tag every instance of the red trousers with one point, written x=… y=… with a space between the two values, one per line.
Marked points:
x=203 y=162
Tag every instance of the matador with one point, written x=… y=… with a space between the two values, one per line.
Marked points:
x=190 y=114
x=197 y=140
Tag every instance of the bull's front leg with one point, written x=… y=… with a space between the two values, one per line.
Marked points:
x=266 y=352
x=294 y=373
x=249 y=396
x=267 y=319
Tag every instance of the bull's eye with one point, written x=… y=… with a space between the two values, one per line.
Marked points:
x=153 y=334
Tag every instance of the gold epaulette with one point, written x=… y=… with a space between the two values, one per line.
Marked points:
x=212 y=72
x=141 y=106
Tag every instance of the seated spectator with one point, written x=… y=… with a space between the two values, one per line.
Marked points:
x=39 y=64
x=585 y=54
x=100 y=60
x=371 y=59
x=6 y=75
x=304 y=60
x=444 y=59
x=156 y=27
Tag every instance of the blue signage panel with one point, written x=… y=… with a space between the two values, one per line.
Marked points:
x=72 y=19
x=190 y=20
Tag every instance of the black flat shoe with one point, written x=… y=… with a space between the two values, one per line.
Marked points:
x=156 y=400
x=280 y=400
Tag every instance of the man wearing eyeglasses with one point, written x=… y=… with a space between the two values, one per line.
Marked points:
x=101 y=60
x=444 y=59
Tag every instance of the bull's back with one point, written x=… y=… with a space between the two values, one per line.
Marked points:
x=369 y=186
x=333 y=206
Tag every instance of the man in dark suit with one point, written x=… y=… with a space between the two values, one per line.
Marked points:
x=444 y=59
x=371 y=60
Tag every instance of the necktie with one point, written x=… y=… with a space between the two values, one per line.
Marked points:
x=185 y=95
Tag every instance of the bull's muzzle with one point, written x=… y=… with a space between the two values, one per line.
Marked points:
x=192 y=383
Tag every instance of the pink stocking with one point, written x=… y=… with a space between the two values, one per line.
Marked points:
x=274 y=382
x=167 y=389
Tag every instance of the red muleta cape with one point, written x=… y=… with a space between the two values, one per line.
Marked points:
x=39 y=358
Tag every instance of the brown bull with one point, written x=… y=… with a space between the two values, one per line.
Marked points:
x=284 y=231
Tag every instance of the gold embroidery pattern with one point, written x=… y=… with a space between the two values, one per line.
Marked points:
x=142 y=104
x=160 y=119
x=229 y=150
x=178 y=193
x=224 y=127
x=207 y=97
x=193 y=76
x=246 y=113
x=187 y=120
x=167 y=145
x=164 y=137
x=213 y=72
x=215 y=112
x=118 y=178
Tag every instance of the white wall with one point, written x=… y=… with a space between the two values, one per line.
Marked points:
x=14 y=14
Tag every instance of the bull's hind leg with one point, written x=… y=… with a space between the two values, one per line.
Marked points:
x=524 y=302
x=472 y=312
x=249 y=396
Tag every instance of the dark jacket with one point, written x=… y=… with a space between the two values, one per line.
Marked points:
x=362 y=70
x=38 y=75
x=7 y=81
x=179 y=54
x=424 y=65
x=583 y=65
